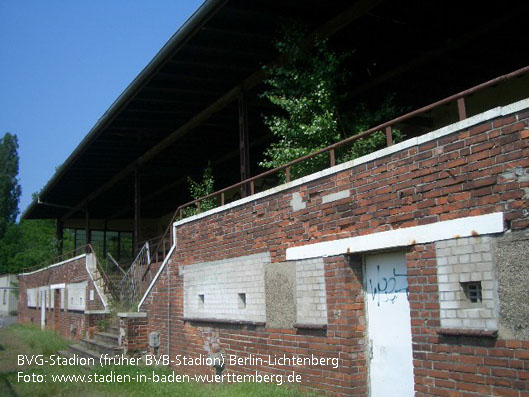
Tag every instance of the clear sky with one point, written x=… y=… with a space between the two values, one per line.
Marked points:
x=63 y=63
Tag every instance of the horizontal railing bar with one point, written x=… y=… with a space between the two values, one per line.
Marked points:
x=380 y=127
x=363 y=134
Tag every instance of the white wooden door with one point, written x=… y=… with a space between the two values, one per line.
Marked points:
x=389 y=326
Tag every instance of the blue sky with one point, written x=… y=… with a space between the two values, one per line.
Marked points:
x=63 y=63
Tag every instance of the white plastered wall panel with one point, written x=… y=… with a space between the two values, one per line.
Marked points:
x=76 y=295
x=229 y=289
x=31 y=295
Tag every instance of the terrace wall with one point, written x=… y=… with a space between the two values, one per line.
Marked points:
x=466 y=170
x=70 y=323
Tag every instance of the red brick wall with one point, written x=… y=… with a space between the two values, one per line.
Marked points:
x=135 y=335
x=70 y=272
x=454 y=176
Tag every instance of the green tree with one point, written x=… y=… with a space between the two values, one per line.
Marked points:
x=28 y=243
x=201 y=189
x=362 y=118
x=9 y=187
x=305 y=88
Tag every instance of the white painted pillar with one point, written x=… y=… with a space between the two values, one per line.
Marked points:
x=42 y=309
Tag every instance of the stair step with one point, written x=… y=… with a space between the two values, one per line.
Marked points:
x=113 y=329
x=107 y=337
x=83 y=351
x=101 y=347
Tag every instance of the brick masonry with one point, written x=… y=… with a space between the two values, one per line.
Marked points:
x=310 y=292
x=466 y=173
x=133 y=333
x=460 y=261
x=68 y=322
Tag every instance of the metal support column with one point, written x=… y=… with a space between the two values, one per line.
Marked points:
x=88 y=238
x=60 y=232
x=244 y=146
x=137 y=216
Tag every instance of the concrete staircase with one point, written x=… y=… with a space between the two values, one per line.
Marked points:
x=105 y=342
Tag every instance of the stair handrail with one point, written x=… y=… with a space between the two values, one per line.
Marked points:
x=116 y=264
x=130 y=284
x=458 y=98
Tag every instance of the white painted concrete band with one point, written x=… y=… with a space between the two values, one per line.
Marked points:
x=157 y=274
x=133 y=315
x=55 y=264
x=58 y=286
x=97 y=311
x=91 y=263
x=462 y=227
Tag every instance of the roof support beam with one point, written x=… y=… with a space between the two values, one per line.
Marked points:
x=329 y=28
x=179 y=181
x=137 y=201
x=244 y=145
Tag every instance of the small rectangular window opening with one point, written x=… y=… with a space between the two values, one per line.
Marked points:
x=201 y=301
x=242 y=300
x=472 y=291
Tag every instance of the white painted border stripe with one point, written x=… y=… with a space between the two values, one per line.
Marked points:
x=106 y=311
x=157 y=275
x=102 y=296
x=462 y=227
x=55 y=264
x=450 y=129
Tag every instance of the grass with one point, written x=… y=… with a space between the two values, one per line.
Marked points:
x=24 y=339
x=40 y=342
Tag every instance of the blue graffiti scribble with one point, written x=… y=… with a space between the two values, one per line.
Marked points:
x=387 y=287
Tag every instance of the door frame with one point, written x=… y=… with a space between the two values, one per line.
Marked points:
x=368 y=344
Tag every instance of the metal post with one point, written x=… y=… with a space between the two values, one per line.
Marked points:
x=60 y=236
x=389 y=136
x=105 y=238
x=136 y=238
x=87 y=236
x=244 y=146
x=461 y=108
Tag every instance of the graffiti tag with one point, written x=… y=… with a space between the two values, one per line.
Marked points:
x=385 y=289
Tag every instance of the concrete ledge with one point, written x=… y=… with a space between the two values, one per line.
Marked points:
x=486 y=116
x=468 y=332
x=133 y=315
x=310 y=326
x=97 y=311
x=444 y=230
x=222 y=321
x=53 y=265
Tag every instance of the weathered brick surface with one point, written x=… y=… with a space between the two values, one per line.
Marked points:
x=133 y=335
x=463 y=174
x=70 y=324
x=466 y=173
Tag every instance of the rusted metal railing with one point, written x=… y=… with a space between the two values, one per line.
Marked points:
x=131 y=283
x=101 y=275
x=85 y=249
x=458 y=99
x=115 y=263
